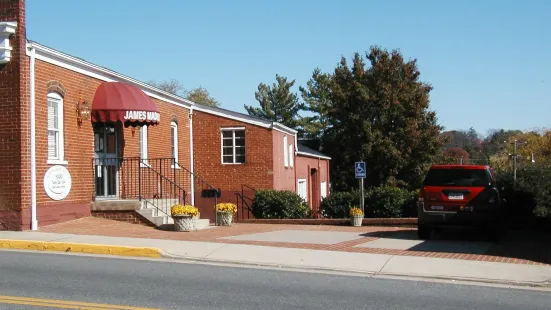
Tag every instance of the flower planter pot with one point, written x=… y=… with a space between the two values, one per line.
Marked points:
x=356 y=220
x=183 y=223
x=224 y=218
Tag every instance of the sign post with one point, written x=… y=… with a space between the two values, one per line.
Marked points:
x=359 y=170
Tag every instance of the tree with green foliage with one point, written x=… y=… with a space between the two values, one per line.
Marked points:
x=198 y=95
x=317 y=98
x=495 y=141
x=468 y=140
x=202 y=96
x=380 y=114
x=278 y=103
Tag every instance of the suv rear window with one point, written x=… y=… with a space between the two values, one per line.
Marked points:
x=458 y=177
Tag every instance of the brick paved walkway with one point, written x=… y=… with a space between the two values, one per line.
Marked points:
x=517 y=247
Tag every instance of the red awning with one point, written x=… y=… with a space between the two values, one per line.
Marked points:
x=120 y=102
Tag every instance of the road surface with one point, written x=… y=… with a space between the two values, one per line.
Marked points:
x=30 y=279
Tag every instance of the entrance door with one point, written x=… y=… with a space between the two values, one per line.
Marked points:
x=106 y=161
x=315 y=184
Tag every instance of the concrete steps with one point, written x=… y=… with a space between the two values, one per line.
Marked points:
x=157 y=211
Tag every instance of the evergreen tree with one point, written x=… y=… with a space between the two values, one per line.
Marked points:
x=317 y=98
x=278 y=103
x=380 y=114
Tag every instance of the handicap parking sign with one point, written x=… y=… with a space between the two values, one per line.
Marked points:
x=359 y=169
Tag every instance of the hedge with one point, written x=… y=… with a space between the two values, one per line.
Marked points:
x=272 y=204
x=379 y=202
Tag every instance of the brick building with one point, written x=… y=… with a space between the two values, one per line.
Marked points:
x=78 y=139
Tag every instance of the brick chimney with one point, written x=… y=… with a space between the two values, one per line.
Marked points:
x=14 y=118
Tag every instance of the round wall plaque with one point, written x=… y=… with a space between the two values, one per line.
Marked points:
x=57 y=182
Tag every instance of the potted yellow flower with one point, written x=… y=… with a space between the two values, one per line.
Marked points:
x=356 y=217
x=183 y=217
x=224 y=213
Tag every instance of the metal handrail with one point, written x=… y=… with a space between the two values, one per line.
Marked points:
x=154 y=178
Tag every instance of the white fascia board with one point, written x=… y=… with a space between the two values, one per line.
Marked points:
x=239 y=119
x=75 y=64
x=59 y=59
x=313 y=156
x=279 y=127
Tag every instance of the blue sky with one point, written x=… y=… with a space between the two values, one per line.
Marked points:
x=489 y=61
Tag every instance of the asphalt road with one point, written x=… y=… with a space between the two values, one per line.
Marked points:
x=169 y=285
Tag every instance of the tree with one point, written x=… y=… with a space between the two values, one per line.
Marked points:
x=495 y=141
x=317 y=98
x=278 y=103
x=198 y=95
x=457 y=155
x=380 y=114
x=468 y=140
x=201 y=96
x=535 y=145
x=171 y=86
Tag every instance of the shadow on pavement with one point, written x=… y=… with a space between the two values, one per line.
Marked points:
x=518 y=244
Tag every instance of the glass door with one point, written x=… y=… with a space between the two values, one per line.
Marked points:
x=106 y=161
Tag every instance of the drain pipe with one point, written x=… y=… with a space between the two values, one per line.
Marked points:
x=192 y=189
x=34 y=222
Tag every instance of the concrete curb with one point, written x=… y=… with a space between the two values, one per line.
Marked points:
x=543 y=285
x=404 y=222
x=67 y=247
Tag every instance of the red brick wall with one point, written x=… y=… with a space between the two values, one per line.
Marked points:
x=304 y=165
x=127 y=216
x=79 y=141
x=257 y=172
x=284 y=177
x=14 y=121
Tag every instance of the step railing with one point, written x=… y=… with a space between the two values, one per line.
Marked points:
x=244 y=202
x=158 y=182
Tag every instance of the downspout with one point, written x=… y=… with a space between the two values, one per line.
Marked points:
x=34 y=222
x=295 y=149
x=192 y=189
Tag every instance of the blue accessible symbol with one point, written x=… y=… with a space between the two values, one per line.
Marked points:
x=359 y=169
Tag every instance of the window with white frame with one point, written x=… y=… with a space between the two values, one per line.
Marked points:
x=323 y=190
x=143 y=145
x=55 y=128
x=285 y=154
x=174 y=142
x=302 y=189
x=291 y=155
x=233 y=145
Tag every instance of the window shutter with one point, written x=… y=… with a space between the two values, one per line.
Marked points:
x=52 y=115
x=285 y=153
x=302 y=189
x=291 y=155
x=52 y=133
x=173 y=141
x=52 y=145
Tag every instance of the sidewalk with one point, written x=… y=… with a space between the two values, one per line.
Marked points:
x=366 y=263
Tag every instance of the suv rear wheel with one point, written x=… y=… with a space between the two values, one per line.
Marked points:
x=423 y=231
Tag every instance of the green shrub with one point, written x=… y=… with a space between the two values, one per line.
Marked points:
x=390 y=202
x=272 y=204
x=380 y=202
x=530 y=196
x=337 y=204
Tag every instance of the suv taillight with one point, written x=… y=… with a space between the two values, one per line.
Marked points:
x=421 y=194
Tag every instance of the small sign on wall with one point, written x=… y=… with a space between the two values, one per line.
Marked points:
x=57 y=182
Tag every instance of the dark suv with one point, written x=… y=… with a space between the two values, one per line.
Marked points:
x=460 y=195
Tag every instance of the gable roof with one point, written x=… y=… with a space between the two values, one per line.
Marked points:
x=79 y=65
x=308 y=152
